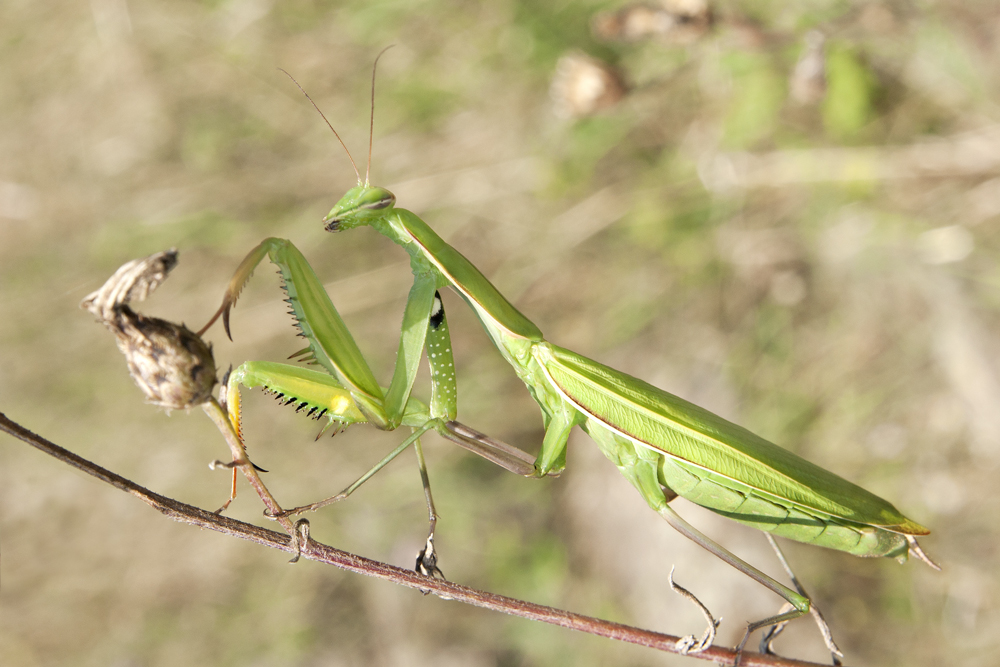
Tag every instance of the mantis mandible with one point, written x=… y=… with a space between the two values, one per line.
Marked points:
x=663 y=445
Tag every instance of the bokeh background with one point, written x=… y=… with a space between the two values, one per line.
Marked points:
x=787 y=214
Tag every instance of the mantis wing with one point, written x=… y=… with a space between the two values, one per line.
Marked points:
x=703 y=448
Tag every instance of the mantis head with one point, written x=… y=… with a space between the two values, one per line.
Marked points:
x=360 y=206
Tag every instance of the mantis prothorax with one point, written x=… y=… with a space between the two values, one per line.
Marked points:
x=664 y=445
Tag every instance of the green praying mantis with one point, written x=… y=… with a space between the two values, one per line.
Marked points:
x=663 y=445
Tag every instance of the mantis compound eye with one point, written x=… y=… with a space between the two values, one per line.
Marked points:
x=384 y=202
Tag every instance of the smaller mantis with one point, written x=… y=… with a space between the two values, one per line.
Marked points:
x=665 y=446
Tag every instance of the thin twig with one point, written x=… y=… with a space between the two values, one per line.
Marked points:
x=326 y=554
x=221 y=420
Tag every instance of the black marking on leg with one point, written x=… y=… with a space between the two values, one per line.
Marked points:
x=437 y=311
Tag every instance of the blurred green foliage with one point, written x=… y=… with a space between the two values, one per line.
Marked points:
x=758 y=95
x=851 y=89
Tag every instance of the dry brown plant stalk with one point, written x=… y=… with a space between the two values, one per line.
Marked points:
x=313 y=550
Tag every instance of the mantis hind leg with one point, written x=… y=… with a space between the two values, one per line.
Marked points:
x=797 y=604
x=639 y=465
x=793 y=607
x=768 y=638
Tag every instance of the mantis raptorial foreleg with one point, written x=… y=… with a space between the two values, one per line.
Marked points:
x=348 y=393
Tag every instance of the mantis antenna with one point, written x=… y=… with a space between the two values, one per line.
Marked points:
x=371 y=129
x=349 y=157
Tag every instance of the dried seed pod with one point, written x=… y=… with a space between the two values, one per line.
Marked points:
x=582 y=86
x=171 y=364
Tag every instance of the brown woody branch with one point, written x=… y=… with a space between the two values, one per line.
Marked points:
x=313 y=550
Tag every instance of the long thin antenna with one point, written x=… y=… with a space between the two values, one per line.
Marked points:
x=371 y=129
x=356 y=172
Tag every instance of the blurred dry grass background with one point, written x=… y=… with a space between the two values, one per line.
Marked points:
x=816 y=263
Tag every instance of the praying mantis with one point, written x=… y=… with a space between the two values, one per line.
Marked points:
x=664 y=446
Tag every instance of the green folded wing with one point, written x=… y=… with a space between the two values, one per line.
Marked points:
x=685 y=431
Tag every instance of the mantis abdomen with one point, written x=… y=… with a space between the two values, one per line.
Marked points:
x=762 y=511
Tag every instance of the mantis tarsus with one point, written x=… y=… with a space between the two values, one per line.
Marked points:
x=665 y=446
